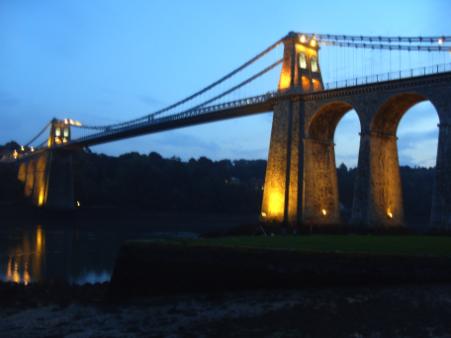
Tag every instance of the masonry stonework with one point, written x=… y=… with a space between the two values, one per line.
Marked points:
x=301 y=183
x=48 y=179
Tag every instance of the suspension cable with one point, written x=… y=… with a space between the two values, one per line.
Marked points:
x=189 y=98
x=421 y=48
x=385 y=39
x=38 y=135
x=241 y=84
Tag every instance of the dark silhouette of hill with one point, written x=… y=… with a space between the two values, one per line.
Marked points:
x=152 y=182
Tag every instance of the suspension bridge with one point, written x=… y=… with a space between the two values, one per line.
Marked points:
x=379 y=77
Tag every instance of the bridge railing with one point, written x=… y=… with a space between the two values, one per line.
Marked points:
x=402 y=74
x=181 y=115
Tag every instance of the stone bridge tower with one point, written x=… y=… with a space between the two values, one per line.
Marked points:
x=47 y=175
x=300 y=183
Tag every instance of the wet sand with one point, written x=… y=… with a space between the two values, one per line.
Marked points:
x=407 y=311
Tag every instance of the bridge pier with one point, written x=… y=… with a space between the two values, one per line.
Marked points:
x=280 y=195
x=378 y=194
x=301 y=179
x=441 y=196
x=321 y=202
x=48 y=179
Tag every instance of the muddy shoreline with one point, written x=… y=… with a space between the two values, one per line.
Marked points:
x=388 y=311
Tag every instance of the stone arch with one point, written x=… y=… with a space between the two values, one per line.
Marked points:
x=322 y=203
x=324 y=121
x=387 y=202
x=387 y=117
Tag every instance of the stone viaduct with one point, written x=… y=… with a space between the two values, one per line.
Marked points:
x=301 y=180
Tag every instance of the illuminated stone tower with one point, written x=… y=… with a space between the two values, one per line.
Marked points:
x=59 y=132
x=300 y=183
x=47 y=175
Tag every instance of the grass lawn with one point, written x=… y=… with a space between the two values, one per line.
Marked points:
x=397 y=245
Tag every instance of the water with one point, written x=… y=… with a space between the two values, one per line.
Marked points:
x=84 y=251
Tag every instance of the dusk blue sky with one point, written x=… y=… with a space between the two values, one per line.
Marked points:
x=107 y=61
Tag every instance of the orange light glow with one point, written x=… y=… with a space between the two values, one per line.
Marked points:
x=305 y=49
x=316 y=84
x=276 y=201
x=15 y=276
x=324 y=212
x=285 y=79
x=39 y=239
x=389 y=213
x=26 y=274
x=305 y=83
x=41 y=197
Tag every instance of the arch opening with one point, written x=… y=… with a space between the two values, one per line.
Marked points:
x=389 y=115
x=406 y=151
x=328 y=187
x=325 y=120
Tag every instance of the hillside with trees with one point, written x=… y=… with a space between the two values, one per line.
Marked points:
x=152 y=182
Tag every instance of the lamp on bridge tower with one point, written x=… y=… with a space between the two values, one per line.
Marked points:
x=300 y=70
x=59 y=132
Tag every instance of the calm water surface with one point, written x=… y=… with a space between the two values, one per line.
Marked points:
x=85 y=253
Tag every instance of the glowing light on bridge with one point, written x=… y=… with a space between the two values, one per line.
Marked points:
x=389 y=213
x=72 y=122
x=302 y=61
x=285 y=79
x=78 y=204
x=276 y=204
x=41 y=197
x=302 y=39
x=316 y=84
x=305 y=81
x=313 y=42
x=324 y=212
x=15 y=154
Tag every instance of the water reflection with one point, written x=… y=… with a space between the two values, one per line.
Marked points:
x=36 y=253
x=83 y=250
x=26 y=259
x=69 y=253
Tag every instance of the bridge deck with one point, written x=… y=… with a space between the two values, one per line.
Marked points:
x=244 y=107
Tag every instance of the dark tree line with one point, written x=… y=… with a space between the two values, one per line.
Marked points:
x=417 y=191
x=154 y=183
x=10 y=189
